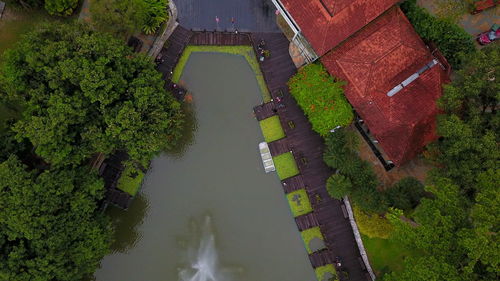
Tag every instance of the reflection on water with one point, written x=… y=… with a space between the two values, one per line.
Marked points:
x=189 y=128
x=125 y=224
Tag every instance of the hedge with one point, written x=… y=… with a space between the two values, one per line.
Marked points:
x=321 y=98
x=452 y=40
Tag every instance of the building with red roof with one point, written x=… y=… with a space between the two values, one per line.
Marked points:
x=326 y=23
x=393 y=78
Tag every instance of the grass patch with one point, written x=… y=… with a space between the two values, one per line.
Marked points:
x=271 y=129
x=322 y=270
x=385 y=254
x=130 y=180
x=299 y=202
x=310 y=234
x=246 y=51
x=285 y=166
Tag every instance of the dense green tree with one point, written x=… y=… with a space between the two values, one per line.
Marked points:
x=85 y=92
x=470 y=123
x=460 y=240
x=119 y=17
x=50 y=228
x=321 y=98
x=122 y=17
x=341 y=154
x=405 y=194
x=451 y=39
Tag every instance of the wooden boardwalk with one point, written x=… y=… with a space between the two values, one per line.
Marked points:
x=265 y=110
x=170 y=55
x=279 y=147
x=293 y=183
x=306 y=221
x=308 y=152
x=111 y=170
x=220 y=38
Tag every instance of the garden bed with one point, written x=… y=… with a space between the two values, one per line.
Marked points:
x=285 y=166
x=130 y=180
x=299 y=202
x=322 y=273
x=271 y=129
x=308 y=235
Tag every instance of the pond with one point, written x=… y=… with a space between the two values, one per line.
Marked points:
x=211 y=213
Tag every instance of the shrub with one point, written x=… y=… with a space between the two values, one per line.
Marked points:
x=321 y=98
x=60 y=7
x=341 y=154
x=452 y=40
x=372 y=225
x=338 y=186
x=405 y=194
x=156 y=14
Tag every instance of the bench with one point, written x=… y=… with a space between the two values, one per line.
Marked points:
x=344 y=211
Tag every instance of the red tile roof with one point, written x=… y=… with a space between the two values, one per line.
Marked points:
x=375 y=60
x=326 y=23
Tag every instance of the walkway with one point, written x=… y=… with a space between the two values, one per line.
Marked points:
x=308 y=151
x=248 y=15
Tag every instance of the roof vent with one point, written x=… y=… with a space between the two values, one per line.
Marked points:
x=412 y=78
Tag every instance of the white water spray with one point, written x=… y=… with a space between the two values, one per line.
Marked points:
x=204 y=261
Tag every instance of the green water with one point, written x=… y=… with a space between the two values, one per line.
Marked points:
x=219 y=174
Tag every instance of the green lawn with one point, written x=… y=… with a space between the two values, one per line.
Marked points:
x=310 y=234
x=271 y=129
x=385 y=255
x=285 y=165
x=299 y=202
x=130 y=180
x=246 y=51
x=322 y=270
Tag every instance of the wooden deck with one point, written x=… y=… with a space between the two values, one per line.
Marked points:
x=308 y=151
x=220 y=38
x=265 y=110
x=279 y=147
x=111 y=170
x=306 y=221
x=293 y=183
x=170 y=55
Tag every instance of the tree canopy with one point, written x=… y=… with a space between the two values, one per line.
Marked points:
x=85 y=92
x=50 y=228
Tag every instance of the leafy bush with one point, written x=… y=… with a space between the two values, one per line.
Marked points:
x=156 y=14
x=372 y=225
x=60 y=7
x=321 y=98
x=405 y=194
x=452 y=40
x=122 y=17
x=338 y=186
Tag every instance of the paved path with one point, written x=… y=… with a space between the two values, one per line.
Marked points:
x=473 y=24
x=248 y=15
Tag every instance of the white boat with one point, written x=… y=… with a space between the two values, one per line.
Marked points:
x=267 y=159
